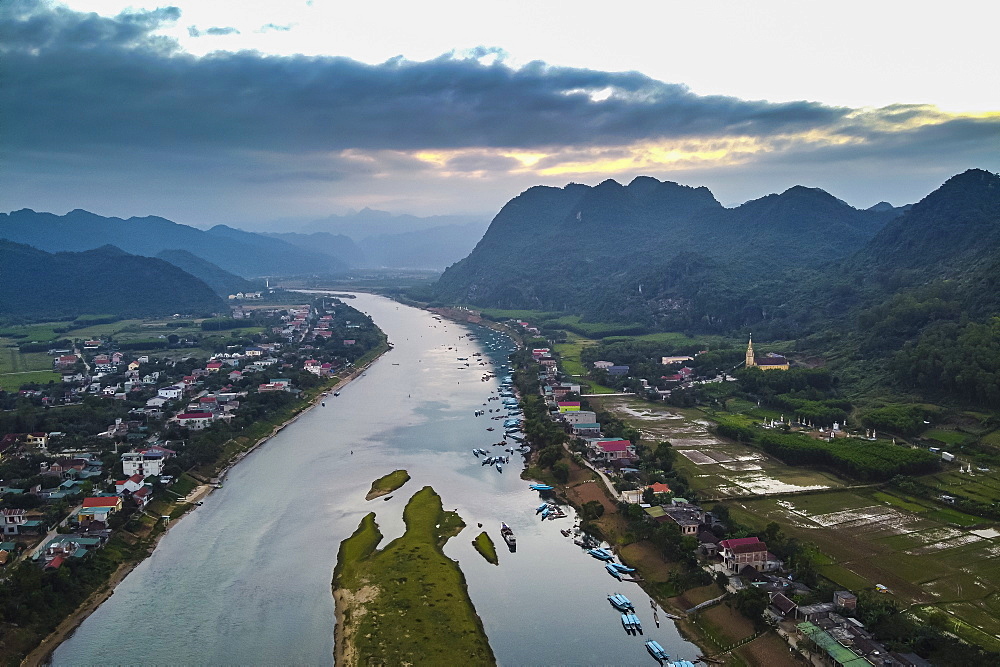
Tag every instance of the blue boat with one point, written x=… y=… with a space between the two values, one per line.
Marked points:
x=636 y=623
x=541 y=507
x=546 y=511
x=627 y=623
x=623 y=568
x=613 y=572
x=620 y=602
x=540 y=487
x=600 y=554
x=656 y=650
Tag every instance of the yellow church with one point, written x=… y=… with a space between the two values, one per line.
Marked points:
x=769 y=362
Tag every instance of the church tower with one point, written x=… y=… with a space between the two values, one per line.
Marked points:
x=750 y=362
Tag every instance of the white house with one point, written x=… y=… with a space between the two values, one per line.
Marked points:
x=137 y=463
x=170 y=393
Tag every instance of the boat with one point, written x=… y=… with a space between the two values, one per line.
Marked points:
x=600 y=554
x=627 y=623
x=546 y=511
x=541 y=507
x=565 y=533
x=336 y=393
x=636 y=623
x=499 y=469
x=623 y=568
x=508 y=536
x=656 y=650
x=613 y=572
x=620 y=602
x=387 y=498
x=540 y=487
x=323 y=404
x=490 y=428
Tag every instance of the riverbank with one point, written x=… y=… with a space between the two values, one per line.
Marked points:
x=407 y=603
x=41 y=654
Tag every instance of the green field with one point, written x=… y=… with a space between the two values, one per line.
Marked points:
x=945 y=436
x=13 y=381
x=407 y=603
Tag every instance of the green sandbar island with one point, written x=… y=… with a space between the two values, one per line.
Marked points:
x=407 y=603
x=387 y=484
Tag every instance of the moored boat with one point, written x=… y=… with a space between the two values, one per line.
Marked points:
x=540 y=487
x=656 y=650
x=620 y=602
x=613 y=572
x=636 y=623
x=508 y=536
x=623 y=568
x=600 y=554
x=541 y=507
x=627 y=623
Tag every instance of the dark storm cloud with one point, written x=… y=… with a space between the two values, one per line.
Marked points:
x=82 y=80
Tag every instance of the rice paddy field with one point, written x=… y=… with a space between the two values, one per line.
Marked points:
x=941 y=563
x=715 y=468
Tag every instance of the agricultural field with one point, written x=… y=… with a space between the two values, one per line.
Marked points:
x=926 y=557
x=570 y=363
x=714 y=467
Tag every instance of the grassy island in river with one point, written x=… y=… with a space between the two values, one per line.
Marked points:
x=385 y=485
x=407 y=603
x=484 y=545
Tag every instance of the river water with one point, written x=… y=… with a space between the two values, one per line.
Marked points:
x=246 y=577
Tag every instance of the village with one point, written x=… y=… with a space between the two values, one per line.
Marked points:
x=65 y=495
x=822 y=631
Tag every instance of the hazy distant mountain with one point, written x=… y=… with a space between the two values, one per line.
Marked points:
x=370 y=222
x=238 y=252
x=105 y=280
x=429 y=248
x=220 y=280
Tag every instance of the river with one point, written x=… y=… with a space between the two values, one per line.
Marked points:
x=246 y=577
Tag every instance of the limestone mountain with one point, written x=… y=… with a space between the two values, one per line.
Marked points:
x=221 y=281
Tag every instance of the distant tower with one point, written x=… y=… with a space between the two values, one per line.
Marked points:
x=750 y=361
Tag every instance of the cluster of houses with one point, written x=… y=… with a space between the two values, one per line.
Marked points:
x=190 y=398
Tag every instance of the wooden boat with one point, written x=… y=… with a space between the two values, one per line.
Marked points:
x=387 y=498
x=508 y=536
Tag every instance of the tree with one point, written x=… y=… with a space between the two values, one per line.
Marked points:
x=751 y=602
x=561 y=472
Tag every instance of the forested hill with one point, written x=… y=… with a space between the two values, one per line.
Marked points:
x=220 y=280
x=107 y=280
x=666 y=255
x=243 y=253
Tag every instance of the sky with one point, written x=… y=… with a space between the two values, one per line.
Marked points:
x=244 y=112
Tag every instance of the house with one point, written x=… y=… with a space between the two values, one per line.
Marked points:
x=579 y=417
x=349 y=341
x=845 y=600
x=134 y=366
x=236 y=375
x=659 y=487
x=708 y=543
x=612 y=451
x=195 y=420
x=213 y=366
x=142 y=496
x=669 y=361
x=139 y=463
x=130 y=485
x=618 y=371
x=604 y=365
x=156 y=402
x=587 y=429
x=689 y=518
x=254 y=352
x=99 y=508
x=65 y=361
x=781 y=606
x=739 y=552
x=170 y=393
x=569 y=406
x=12 y=519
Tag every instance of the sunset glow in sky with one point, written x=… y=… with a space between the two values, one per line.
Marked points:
x=243 y=112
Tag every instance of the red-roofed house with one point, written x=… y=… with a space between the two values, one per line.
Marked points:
x=612 y=450
x=213 y=366
x=195 y=420
x=142 y=496
x=132 y=484
x=659 y=487
x=739 y=552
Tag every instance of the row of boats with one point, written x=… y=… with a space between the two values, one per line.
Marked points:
x=550 y=511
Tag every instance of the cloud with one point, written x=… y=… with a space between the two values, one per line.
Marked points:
x=78 y=85
x=267 y=27
x=222 y=31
